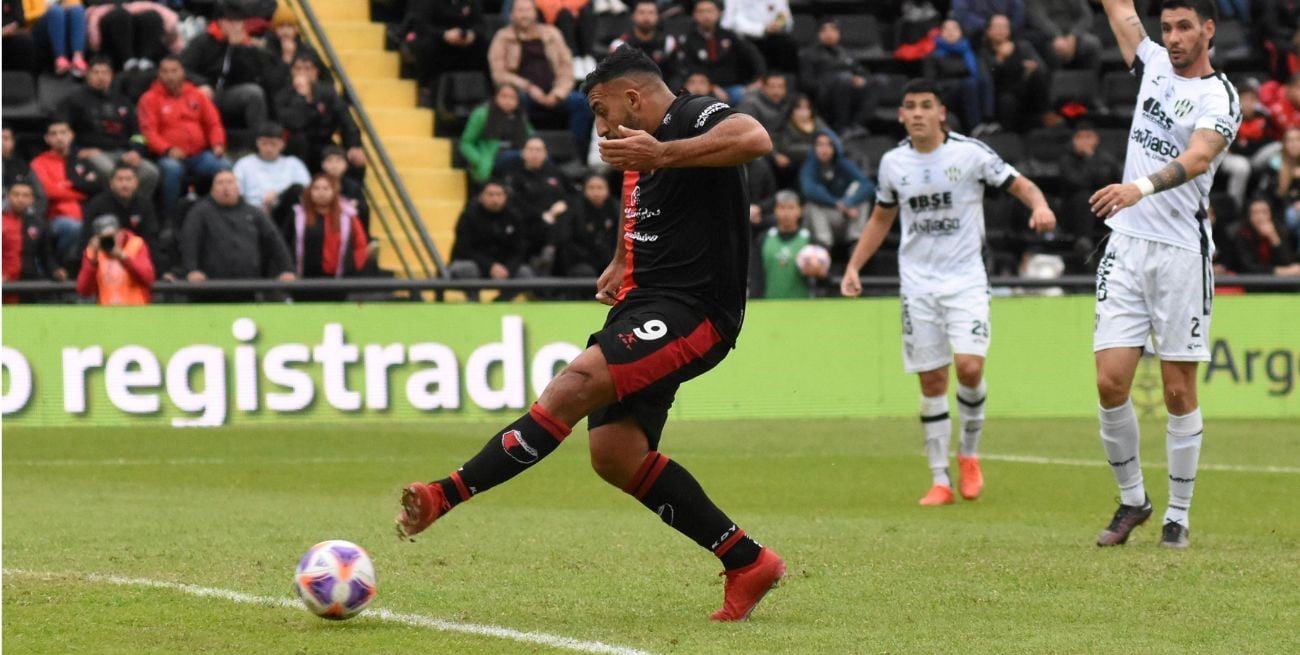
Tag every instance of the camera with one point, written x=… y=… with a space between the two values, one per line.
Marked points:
x=108 y=243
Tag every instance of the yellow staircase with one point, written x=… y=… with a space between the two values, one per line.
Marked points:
x=404 y=128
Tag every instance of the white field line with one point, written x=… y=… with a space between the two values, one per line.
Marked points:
x=413 y=620
x=1100 y=462
x=295 y=461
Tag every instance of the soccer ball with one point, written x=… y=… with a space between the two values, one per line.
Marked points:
x=335 y=579
x=813 y=260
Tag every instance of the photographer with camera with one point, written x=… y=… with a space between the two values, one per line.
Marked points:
x=116 y=266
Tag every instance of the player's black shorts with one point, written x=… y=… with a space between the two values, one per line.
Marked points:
x=652 y=346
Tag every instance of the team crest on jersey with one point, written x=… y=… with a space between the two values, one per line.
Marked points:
x=668 y=118
x=1183 y=107
x=953 y=173
x=518 y=449
x=636 y=196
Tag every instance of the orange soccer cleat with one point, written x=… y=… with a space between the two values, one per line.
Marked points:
x=939 y=494
x=422 y=504
x=749 y=584
x=972 y=479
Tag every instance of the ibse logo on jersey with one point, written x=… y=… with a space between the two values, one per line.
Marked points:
x=930 y=202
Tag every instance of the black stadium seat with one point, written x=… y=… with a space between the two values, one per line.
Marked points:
x=1119 y=93
x=52 y=90
x=1114 y=140
x=19 y=96
x=459 y=92
x=1073 y=86
x=608 y=28
x=1008 y=145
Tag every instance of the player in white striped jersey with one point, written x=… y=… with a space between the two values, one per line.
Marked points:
x=1155 y=277
x=936 y=180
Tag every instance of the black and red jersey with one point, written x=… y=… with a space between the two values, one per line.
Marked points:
x=686 y=229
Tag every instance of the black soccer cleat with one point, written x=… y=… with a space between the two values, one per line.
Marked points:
x=1126 y=518
x=1174 y=535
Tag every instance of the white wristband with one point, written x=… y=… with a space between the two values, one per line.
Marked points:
x=1145 y=186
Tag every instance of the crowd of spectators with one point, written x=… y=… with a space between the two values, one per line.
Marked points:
x=1041 y=82
x=192 y=141
x=168 y=97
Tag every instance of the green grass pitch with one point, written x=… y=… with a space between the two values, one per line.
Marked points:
x=557 y=552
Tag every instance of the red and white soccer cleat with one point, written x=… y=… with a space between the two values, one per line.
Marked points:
x=747 y=585
x=939 y=494
x=972 y=479
x=422 y=504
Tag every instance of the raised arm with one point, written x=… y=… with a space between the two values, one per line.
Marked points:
x=1127 y=26
x=734 y=141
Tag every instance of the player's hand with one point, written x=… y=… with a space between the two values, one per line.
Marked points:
x=633 y=150
x=850 y=286
x=1042 y=220
x=1110 y=200
x=609 y=283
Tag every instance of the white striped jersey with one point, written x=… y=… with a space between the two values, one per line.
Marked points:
x=1169 y=108
x=940 y=196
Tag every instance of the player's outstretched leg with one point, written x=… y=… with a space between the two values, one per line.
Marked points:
x=669 y=490
x=971 y=392
x=511 y=452
x=937 y=426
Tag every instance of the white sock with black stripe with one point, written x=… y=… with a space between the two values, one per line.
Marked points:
x=1183 y=448
x=1119 y=435
x=970 y=407
x=937 y=426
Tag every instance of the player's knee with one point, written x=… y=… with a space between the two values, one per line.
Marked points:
x=969 y=372
x=1180 y=398
x=934 y=383
x=613 y=466
x=1112 y=390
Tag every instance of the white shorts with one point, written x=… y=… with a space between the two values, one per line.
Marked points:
x=936 y=325
x=1150 y=288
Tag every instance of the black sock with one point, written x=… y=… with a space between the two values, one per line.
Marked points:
x=668 y=490
x=520 y=445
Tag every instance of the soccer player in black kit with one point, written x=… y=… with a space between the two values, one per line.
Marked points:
x=677 y=291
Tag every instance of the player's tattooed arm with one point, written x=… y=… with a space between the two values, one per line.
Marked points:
x=1127 y=26
x=1202 y=148
x=1168 y=177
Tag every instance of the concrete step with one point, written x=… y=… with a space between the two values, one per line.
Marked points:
x=354 y=34
x=416 y=152
x=394 y=123
x=341 y=10
x=377 y=93
x=376 y=62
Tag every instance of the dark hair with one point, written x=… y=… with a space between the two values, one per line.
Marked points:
x=638 y=3
x=122 y=167
x=305 y=56
x=99 y=60
x=58 y=119
x=922 y=85
x=715 y=3
x=495 y=181
x=1205 y=9
x=22 y=181
x=175 y=58
x=625 y=61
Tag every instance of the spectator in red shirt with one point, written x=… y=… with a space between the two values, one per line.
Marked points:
x=68 y=180
x=183 y=129
x=1248 y=152
x=116 y=266
x=26 y=250
x=1286 y=107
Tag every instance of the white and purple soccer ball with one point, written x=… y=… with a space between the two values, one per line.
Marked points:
x=335 y=579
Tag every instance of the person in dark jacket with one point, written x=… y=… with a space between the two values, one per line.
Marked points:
x=488 y=243
x=1260 y=245
x=16 y=169
x=588 y=232
x=445 y=35
x=314 y=114
x=839 y=83
x=537 y=191
x=769 y=104
x=733 y=63
x=126 y=200
x=1018 y=76
x=225 y=238
x=106 y=127
x=228 y=66
x=19 y=42
x=1084 y=169
x=648 y=36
